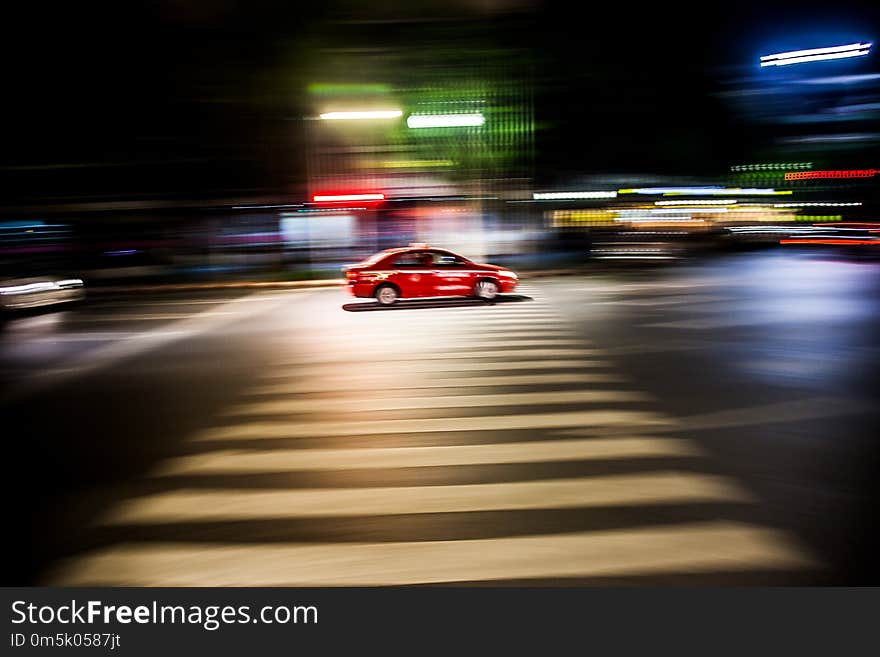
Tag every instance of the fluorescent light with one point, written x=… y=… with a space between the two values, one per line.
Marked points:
x=814 y=204
x=816 y=54
x=679 y=210
x=695 y=191
x=348 y=197
x=27 y=288
x=368 y=114
x=41 y=286
x=552 y=196
x=815 y=58
x=633 y=257
x=687 y=219
x=415 y=164
x=445 y=120
x=703 y=191
x=348 y=89
x=708 y=201
x=817 y=51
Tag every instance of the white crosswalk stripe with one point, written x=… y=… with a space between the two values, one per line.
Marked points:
x=280 y=460
x=358 y=403
x=459 y=354
x=579 y=441
x=691 y=548
x=388 y=383
x=190 y=506
x=440 y=366
x=564 y=419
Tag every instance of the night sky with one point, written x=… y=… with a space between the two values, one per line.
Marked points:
x=187 y=98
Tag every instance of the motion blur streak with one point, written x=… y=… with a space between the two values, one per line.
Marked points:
x=334 y=459
x=418 y=292
x=368 y=114
x=444 y=120
x=698 y=548
x=816 y=55
x=559 y=493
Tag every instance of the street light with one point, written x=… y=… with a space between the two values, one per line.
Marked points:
x=816 y=54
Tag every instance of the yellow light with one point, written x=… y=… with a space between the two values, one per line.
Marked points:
x=416 y=164
x=361 y=115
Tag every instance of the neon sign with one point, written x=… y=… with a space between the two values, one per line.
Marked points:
x=845 y=173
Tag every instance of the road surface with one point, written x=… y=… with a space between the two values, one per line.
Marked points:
x=709 y=422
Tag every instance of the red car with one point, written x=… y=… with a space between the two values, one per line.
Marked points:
x=419 y=271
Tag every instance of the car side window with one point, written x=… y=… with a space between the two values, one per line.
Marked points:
x=447 y=260
x=412 y=260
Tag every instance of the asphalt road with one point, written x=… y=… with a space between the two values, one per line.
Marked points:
x=707 y=422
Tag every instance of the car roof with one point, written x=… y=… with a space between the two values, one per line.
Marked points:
x=387 y=253
x=406 y=249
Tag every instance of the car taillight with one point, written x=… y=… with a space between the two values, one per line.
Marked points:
x=351 y=275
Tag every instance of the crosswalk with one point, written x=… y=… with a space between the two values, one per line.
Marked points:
x=475 y=443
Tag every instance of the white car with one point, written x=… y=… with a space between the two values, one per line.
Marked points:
x=22 y=293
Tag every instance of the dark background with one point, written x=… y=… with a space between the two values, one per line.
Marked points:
x=189 y=96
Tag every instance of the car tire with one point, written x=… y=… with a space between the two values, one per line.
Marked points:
x=486 y=290
x=387 y=295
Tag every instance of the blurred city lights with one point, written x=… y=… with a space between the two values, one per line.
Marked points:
x=562 y=196
x=324 y=198
x=329 y=210
x=41 y=286
x=445 y=120
x=832 y=139
x=416 y=164
x=685 y=219
x=831 y=241
x=708 y=201
x=845 y=173
x=703 y=191
x=566 y=218
x=816 y=54
x=361 y=115
x=842 y=79
x=772 y=166
x=819 y=217
x=689 y=209
x=814 y=204
x=348 y=89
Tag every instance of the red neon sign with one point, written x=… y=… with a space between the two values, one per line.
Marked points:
x=845 y=173
x=332 y=198
x=824 y=242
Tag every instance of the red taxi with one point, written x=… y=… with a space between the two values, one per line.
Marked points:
x=419 y=271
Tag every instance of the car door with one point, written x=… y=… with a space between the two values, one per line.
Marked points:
x=414 y=274
x=452 y=274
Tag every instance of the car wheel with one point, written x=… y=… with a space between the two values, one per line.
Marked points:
x=387 y=295
x=486 y=290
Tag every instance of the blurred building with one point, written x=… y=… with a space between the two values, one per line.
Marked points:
x=812 y=103
x=435 y=121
